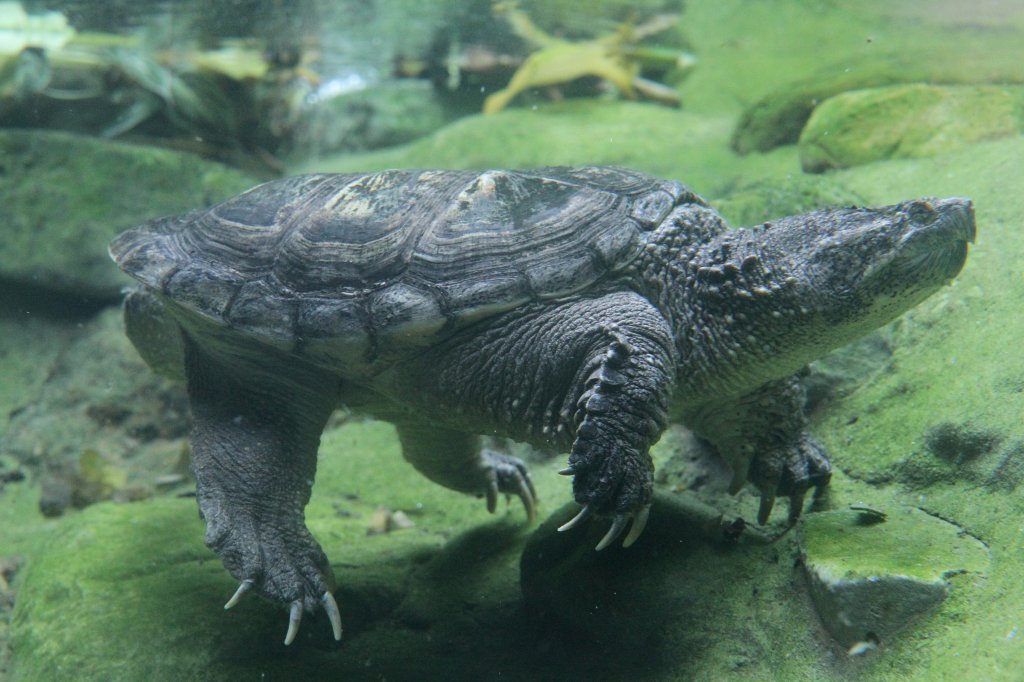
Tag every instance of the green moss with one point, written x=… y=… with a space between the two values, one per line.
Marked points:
x=669 y=143
x=908 y=543
x=906 y=121
x=65 y=196
x=106 y=584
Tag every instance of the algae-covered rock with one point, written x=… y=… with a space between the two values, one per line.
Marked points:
x=906 y=121
x=779 y=117
x=872 y=574
x=65 y=196
x=647 y=137
x=757 y=201
x=128 y=591
x=698 y=582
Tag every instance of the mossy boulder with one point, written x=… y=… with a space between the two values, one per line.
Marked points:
x=872 y=573
x=779 y=117
x=65 y=196
x=906 y=121
x=128 y=591
x=579 y=132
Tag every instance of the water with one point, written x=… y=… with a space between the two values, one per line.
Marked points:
x=115 y=113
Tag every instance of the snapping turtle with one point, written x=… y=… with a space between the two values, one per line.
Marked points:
x=580 y=308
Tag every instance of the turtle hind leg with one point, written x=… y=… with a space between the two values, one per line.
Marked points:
x=457 y=461
x=254 y=444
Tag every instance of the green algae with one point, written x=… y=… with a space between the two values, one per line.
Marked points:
x=56 y=231
x=139 y=576
x=906 y=121
x=872 y=573
x=907 y=542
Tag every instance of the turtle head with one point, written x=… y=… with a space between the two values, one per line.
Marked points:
x=861 y=267
x=781 y=294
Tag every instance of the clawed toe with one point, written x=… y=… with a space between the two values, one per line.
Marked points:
x=243 y=589
x=294 y=619
x=619 y=524
x=796 y=507
x=801 y=468
x=295 y=609
x=333 y=614
x=585 y=513
x=528 y=496
x=509 y=475
x=330 y=607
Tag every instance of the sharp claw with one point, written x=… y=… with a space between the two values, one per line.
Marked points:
x=639 y=522
x=526 y=494
x=567 y=471
x=618 y=525
x=331 y=607
x=796 y=506
x=765 y=510
x=243 y=588
x=584 y=514
x=294 y=618
x=492 y=495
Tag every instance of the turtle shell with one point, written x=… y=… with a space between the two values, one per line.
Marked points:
x=331 y=264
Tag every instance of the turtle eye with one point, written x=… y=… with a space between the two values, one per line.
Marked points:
x=922 y=212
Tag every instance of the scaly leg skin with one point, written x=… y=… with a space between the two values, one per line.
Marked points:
x=619 y=415
x=588 y=375
x=763 y=436
x=455 y=460
x=254 y=445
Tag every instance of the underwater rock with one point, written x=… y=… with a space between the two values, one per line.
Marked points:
x=872 y=574
x=754 y=202
x=906 y=121
x=778 y=118
x=65 y=196
x=841 y=371
x=96 y=590
x=698 y=582
x=567 y=133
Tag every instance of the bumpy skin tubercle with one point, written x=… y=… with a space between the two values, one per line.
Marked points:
x=580 y=309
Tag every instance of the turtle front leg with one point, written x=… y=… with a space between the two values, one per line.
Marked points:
x=620 y=413
x=254 y=443
x=590 y=375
